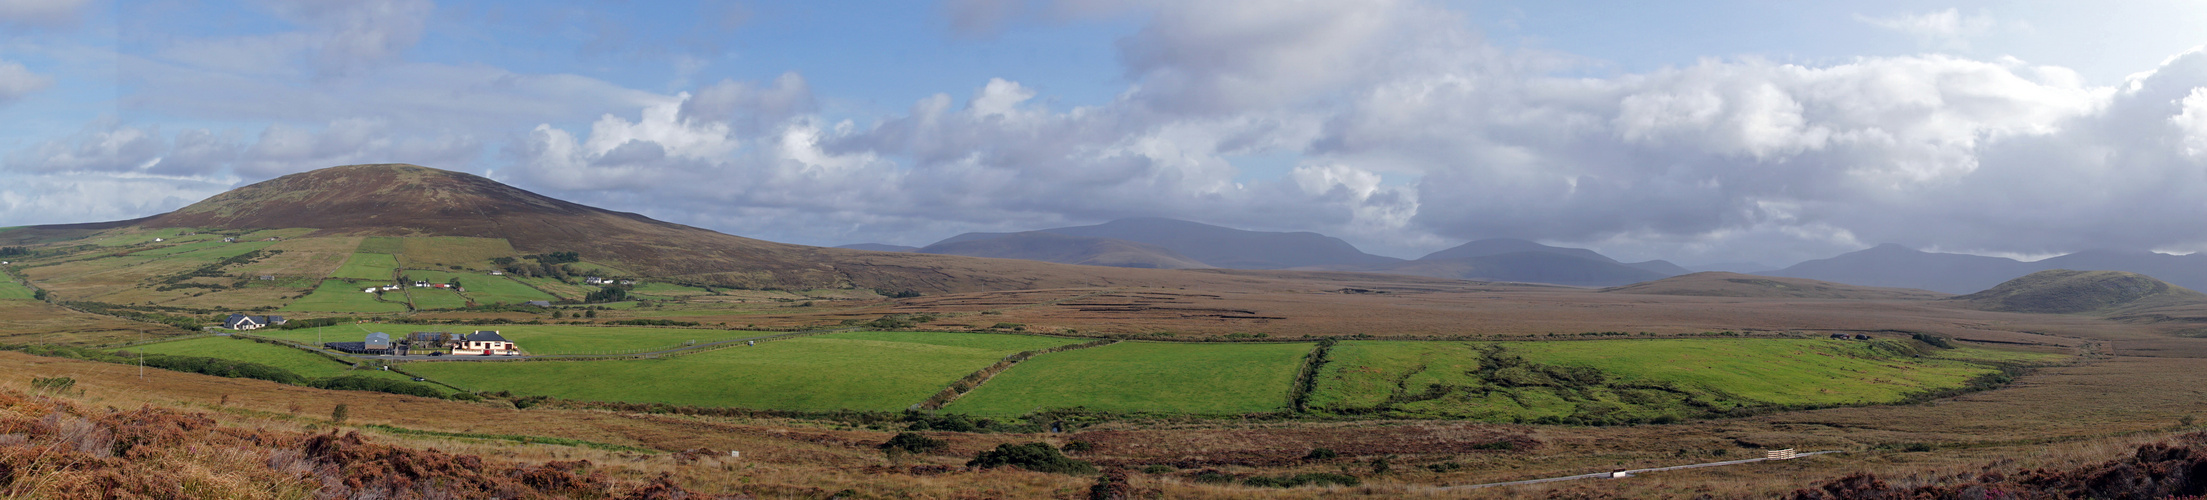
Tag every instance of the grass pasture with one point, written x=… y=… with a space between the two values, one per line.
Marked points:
x=484 y=288
x=435 y=298
x=541 y=339
x=882 y=371
x=1780 y=371
x=1145 y=376
x=441 y=251
x=368 y=266
x=335 y=295
x=9 y=289
x=381 y=244
x=307 y=364
x=1627 y=380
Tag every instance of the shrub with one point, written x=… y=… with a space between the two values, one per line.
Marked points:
x=1158 y=469
x=1038 y=457
x=1078 y=447
x=914 y=444
x=1313 y=478
x=1321 y=454
x=53 y=384
x=360 y=383
x=339 y=412
x=464 y=396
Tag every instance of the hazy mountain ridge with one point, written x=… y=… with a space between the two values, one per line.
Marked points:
x=1723 y=284
x=1895 y=266
x=1066 y=249
x=1217 y=246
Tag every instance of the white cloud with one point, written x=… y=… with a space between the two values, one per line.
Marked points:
x=2193 y=121
x=1943 y=29
x=17 y=81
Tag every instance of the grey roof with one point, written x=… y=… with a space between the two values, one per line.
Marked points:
x=486 y=335
x=540 y=303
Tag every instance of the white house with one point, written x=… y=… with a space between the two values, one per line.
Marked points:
x=484 y=343
x=371 y=289
x=158 y=240
x=497 y=273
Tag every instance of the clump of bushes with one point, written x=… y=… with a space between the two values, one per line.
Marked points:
x=360 y=383
x=1310 y=478
x=1038 y=457
x=913 y=443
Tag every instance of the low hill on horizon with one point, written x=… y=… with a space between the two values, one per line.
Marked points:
x=1065 y=249
x=877 y=247
x=1724 y=284
x=2063 y=291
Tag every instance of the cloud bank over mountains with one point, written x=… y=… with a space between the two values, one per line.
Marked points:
x=1404 y=130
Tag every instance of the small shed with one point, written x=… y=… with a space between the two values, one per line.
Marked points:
x=540 y=303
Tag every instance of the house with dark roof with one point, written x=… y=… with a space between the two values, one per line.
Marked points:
x=244 y=322
x=484 y=343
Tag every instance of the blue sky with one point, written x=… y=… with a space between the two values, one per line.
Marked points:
x=1693 y=131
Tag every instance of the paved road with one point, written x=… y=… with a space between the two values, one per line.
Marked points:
x=423 y=357
x=1632 y=472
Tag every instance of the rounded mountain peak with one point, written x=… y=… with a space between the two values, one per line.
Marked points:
x=377 y=199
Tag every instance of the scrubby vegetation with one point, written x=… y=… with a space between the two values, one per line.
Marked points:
x=1038 y=457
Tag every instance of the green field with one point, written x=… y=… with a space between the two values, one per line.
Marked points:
x=1145 y=376
x=881 y=371
x=388 y=245
x=1624 y=380
x=335 y=295
x=656 y=289
x=542 y=339
x=483 y=288
x=9 y=289
x=435 y=298
x=368 y=266
x=307 y=364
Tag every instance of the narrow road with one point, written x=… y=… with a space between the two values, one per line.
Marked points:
x=1633 y=472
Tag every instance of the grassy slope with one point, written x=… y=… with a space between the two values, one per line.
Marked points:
x=440 y=251
x=368 y=266
x=484 y=288
x=303 y=363
x=862 y=371
x=344 y=296
x=1766 y=370
x=1145 y=376
x=436 y=298
x=9 y=289
x=1441 y=380
x=544 y=339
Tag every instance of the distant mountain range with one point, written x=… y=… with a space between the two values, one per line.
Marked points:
x=1177 y=244
x=1897 y=266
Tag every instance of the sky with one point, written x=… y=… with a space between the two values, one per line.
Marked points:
x=1699 y=132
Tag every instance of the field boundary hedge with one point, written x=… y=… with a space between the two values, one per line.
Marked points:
x=1298 y=396
x=974 y=380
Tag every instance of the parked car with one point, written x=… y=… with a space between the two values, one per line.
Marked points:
x=419 y=379
x=436 y=353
